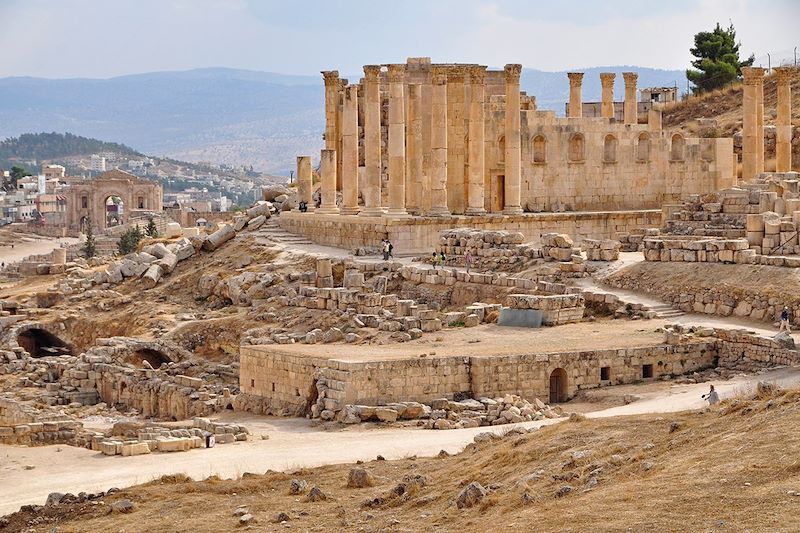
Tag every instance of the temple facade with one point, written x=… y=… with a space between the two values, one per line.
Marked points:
x=418 y=147
x=437 y=139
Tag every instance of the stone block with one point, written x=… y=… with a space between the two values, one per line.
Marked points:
x=138 y=448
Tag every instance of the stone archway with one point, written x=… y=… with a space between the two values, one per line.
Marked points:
x=115 y=210
x=558 y=386
x=41 y=343
x=86 y=199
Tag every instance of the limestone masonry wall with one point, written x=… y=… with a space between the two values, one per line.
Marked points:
x=421 y=234
x=277 y=382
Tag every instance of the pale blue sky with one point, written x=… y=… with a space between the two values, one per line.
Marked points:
x=104 y=38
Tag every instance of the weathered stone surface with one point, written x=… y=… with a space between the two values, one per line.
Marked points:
x=359 y=478
x=472 y=495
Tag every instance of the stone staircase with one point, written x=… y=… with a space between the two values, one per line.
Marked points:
x=666 y=311
x=271 y=230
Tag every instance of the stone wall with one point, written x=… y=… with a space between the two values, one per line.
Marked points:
x=420 y=235
x=280 y=382
x=714 y=299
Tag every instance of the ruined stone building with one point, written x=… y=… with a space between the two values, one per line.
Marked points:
x=435 y=140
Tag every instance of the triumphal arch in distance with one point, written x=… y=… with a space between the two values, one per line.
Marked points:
x=109 y=199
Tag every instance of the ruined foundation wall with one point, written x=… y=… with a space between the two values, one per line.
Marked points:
x=425 y=379
x=421 y=235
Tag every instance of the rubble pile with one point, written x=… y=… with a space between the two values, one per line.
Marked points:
x=450 y=414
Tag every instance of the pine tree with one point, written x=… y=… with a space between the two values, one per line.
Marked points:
x=129 y=240
x=89 y=247
x=717 y=62
x=151 y=230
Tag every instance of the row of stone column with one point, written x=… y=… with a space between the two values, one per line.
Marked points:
x=753 y=121
x=404 y=151
x=630 y=111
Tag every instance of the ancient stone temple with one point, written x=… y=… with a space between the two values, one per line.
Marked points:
x=418 y=147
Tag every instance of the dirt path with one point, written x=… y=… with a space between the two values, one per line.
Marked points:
x=688 y=319
x=293 y=444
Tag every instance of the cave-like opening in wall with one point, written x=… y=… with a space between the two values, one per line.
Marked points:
x=154 y=357
x=41 y=343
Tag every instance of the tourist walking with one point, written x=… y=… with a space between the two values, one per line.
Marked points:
x=442 y=258
x=391 y=248
x=712 y=397
x=785 y=320
x=385 y=248
x=468 y=260
x=434 y=258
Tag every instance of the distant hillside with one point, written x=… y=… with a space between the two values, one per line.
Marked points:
x=47 y=146
x=223 y=115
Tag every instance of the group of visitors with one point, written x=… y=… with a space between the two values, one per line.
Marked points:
x=440 y=259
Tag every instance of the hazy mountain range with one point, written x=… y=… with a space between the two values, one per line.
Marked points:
x=224 y=115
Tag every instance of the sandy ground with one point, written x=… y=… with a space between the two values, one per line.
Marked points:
x=490 y=339
x=25 y=244
x=294 y=443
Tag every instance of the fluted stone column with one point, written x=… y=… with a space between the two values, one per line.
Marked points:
x=327 y=173
x=414 y=190
x=513 y=177
x=575 y=109
x=476 y=158
x=339 y=116
x=397 y=143
x=372 y=142
x=438 y=142
x=350 y=151
x=749 y=122
x=456 y=132
x=760 y=123
x=331 y=78
x=305 y=185
x=630 y=112
x=607 y=104
x=783 y=122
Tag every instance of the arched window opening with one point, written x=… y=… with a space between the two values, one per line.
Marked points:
x=539 y=149
x=678 y=147
x=643 y=148
x=610 y=149
x=576 y=147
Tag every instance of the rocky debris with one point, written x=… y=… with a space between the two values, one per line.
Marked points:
x=218 y=238
x=246 y=519
x=564 y=490
x=54 y=498
x=473 y=494
x=316 y=495
x=122 y=506
x=360 y=478
x=490 y=250
x=281 y=518
x=272 y=192
x=501 y=410
x=785 y=340
x=298 y=486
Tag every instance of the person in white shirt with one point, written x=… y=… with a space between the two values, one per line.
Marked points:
x=712 y=397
